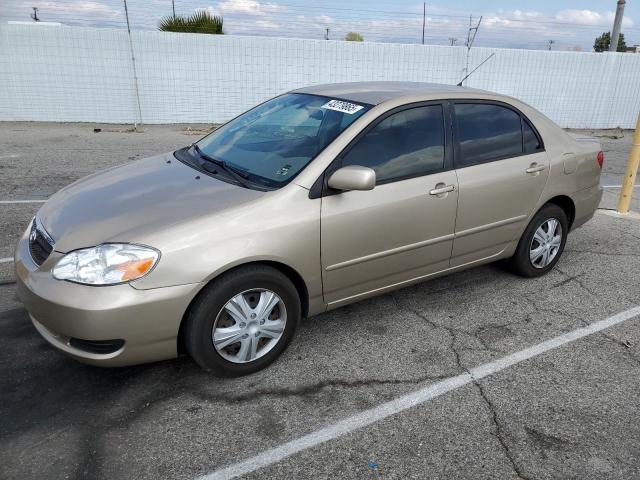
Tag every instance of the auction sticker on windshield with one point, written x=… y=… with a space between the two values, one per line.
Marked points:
x=342 y=106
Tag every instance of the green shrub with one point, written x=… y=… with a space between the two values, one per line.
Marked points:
x=199 y=22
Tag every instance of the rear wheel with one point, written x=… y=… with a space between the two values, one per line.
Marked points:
x=542 y=243
x=243 y=321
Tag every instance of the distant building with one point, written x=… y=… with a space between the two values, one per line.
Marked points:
x=634 y=49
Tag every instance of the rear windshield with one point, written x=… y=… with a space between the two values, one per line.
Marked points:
x=274 y=141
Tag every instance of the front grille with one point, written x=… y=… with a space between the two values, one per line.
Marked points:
x=102 y=347
x=40 y=244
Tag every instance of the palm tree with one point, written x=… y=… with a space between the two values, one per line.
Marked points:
x=198 y=22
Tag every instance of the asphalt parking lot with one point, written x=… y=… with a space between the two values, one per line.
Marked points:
x=567 y=412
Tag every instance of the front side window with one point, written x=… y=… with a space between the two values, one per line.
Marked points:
x=405 y=144
x=487 y=132
x=274 y=141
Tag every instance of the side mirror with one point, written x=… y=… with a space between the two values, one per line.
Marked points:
x=353 y=177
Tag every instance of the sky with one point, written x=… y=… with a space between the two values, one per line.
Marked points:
x=540 y=24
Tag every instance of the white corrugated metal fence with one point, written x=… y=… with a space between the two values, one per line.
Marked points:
x=69 y=74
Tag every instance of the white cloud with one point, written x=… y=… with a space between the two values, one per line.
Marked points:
x=520 y=15
x=249 y=7
x=589 y=17
x=269 y=24
x=78 y=7
x=324 y=19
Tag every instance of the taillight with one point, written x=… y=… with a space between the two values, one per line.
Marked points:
x=600 y=158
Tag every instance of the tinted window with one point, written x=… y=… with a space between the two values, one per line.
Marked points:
x=531 y=142
x=407 y=143
x=486 y=132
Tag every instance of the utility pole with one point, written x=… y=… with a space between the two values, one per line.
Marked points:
x=424 y=19
x=173 y=7
x=470 y=39
x=551 y=42
x=34 y=15
x=617 y=23
x=137 y=122
x=326 y=35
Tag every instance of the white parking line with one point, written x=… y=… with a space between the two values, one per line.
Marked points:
x=6 y=202
x=405 y=402
x=6 y=260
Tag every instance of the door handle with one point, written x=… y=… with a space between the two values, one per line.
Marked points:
x=442 y=189
x=535 y=168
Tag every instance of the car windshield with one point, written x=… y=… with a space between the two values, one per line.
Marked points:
x=274 y=141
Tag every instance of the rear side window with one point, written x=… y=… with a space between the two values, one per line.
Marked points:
x=487 y=132
x=408 y=143
x=531 y=141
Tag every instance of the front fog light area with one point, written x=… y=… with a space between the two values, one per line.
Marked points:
x=106 y=264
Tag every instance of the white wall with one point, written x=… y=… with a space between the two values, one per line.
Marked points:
x=50 y=73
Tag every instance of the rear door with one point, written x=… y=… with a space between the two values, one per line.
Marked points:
x=502 y=170
x=403 y=228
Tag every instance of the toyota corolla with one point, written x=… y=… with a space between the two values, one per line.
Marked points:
x=312 y=200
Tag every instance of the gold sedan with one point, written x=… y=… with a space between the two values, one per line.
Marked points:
x=312 y=200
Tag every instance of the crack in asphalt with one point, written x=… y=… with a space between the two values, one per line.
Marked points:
x=453 y=330
x=569 y=279
x=94 y=434
x=625 y=347
x=91 y=455
x=312 y=389
x=575 y=278
x=498 y=430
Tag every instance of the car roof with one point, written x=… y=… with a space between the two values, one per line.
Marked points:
x=375 y=93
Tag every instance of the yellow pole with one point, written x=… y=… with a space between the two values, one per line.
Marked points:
x=630 y=175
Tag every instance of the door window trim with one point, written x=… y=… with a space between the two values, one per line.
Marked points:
x=456 y=134
x=320 y=188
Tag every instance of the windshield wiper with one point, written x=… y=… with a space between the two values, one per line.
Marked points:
x=237 y=175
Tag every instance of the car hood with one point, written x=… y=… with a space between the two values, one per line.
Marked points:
x=130 y=202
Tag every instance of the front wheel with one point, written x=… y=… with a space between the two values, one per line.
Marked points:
x=242 y=321
x=542 y=243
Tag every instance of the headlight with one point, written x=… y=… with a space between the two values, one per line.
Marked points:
x=106 y=264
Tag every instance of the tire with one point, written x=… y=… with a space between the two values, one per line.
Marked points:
x=234 y=304
x=521 y=263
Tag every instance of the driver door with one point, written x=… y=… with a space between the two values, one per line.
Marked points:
x=403 y=229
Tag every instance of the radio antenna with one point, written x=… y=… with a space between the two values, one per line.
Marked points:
x=469 y=74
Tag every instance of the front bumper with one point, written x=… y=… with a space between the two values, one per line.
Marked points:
x=147 y=320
